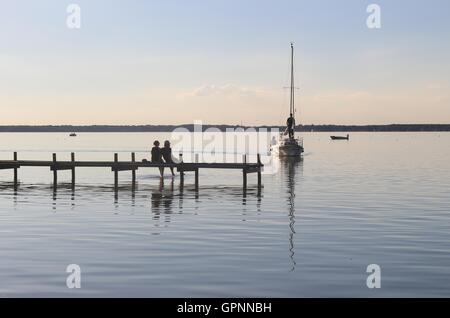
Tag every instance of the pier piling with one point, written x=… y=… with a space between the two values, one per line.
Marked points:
x=181 y=170
x=55 y=172
x=72 y=159
x=196 y=173
x=133 y=172
x=244 y=172
x=15 y=173
x=116 y=172
x=259 y=171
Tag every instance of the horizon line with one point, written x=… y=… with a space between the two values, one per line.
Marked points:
x=205 y=124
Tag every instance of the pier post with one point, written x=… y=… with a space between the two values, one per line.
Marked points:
x=15 y=173
x=133 y=172
x=244 y=175
x=196 y=173
x=259 y=172
x=244 y=172
x=181 y=170
x=196 y=179
x=55 y=172
x=116 y=172
x=72 y=159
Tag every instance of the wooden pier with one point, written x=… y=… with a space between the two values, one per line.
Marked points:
x=117 y=166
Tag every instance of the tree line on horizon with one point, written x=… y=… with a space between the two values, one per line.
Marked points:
x=190 y=127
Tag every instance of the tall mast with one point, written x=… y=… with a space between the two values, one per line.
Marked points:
x=292 y=108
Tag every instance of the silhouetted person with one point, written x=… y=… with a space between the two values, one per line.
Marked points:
x=157 y=156
x=167 y=154
x=290 y=126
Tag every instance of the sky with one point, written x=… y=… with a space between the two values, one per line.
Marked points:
x=223 y=62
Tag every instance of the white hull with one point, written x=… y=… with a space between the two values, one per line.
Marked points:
x=289 y=151
x=288 y=147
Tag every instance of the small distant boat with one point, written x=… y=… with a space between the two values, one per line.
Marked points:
x=73 y=135
x=340 y=137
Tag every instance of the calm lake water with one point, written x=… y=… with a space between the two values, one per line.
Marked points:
x=380 y=198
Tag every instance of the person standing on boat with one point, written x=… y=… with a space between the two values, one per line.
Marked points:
x=290 y=125
x=167 y=155
x=157 y=156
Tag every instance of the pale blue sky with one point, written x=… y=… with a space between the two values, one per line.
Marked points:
x=156 y=62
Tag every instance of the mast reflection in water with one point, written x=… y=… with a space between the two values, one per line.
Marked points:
x=290 y=166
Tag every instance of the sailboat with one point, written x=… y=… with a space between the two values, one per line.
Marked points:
x=289 y=146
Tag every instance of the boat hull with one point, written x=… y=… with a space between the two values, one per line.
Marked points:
x=339 y=138
x=289 y=151
x=288 y=148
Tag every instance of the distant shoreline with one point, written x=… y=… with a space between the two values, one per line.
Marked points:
x=190 y=127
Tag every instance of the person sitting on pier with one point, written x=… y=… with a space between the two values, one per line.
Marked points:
x=167 y=155
x=290 y=125
x=157 y=156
